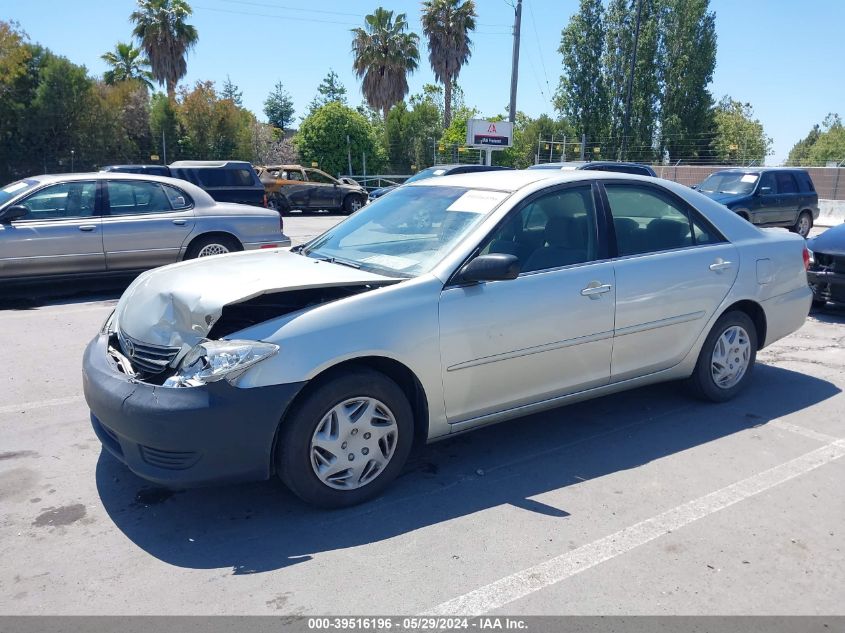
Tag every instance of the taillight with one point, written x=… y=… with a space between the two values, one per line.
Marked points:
x=281 y=223
x=806 y=255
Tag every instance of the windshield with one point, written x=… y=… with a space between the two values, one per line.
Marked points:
x=408 y=232
x=729 y=182
x=15 y=189
x=427 y=173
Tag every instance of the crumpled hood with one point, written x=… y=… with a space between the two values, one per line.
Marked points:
x=831 y=242
x=177 y=305
x=725 y=198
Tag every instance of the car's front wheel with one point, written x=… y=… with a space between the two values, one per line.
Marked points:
x=352 y=203
x=346 y=440
x=727 y=358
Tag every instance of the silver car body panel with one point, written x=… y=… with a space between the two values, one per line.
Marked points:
x=34 y=248
x=496 y=350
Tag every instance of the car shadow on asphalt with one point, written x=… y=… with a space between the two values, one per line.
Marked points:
x=829 y=314
x=255 y=528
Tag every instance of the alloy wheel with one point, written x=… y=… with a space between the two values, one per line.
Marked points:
x=212 y=249
x=731 y=356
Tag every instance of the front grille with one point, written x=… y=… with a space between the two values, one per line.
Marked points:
x=170 y=460
x=151 y=359
x=833 y=263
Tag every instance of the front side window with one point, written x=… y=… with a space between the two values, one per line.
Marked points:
x=408 y=232
x=768 y=184
x=556 y=229
x=65 y=200
x=646 y=220
x=133 y=198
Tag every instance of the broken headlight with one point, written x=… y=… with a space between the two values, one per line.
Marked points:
x=214 y=360
x=106 y=328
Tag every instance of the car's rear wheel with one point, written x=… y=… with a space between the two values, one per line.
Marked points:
x=803 y=224
x=346 y=440
x=212 y=245
x=727 y=358
x=352 y=203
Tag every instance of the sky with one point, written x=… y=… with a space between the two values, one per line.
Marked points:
x=781 y=56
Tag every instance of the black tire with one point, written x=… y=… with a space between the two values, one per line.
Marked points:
x=279 y=203
x=352 y=203
x=701 y=382
x=799 y=226
x=745 y=215
x=819 y=303
x=224 y=242
x=293 y=462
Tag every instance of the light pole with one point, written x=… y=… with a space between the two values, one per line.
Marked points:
x=71 y=160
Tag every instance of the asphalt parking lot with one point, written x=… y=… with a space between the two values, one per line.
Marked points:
x=645 y=502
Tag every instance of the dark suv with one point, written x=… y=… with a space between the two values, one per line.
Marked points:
x=224 y=180
x=768 y=197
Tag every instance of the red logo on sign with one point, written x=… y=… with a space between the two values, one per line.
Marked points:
x=491 y=129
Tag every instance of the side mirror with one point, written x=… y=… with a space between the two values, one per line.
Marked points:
x=13 y=213
x=695 y=186
x=492 y=267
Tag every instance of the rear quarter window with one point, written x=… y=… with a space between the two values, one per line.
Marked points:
x=805 y=183
x=215 y=177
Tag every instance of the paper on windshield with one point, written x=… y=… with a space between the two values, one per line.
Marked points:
x=390 y=261
x=15 y=187
x=476 y=201
x=749 y=178
x=438 y=172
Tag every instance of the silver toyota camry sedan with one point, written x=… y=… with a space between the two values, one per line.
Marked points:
x=445 y=306
x=113 y=223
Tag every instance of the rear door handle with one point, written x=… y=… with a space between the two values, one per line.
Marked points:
x=87 y=227
x=595 y=289
x=179 y=222
x=720 y=265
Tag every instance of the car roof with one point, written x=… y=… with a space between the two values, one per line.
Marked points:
x=513 y=180
x=197 y=193
x=210 y=163
x=757 y=170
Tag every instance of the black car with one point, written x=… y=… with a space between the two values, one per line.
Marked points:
x=225 y=181
x=638 y=169
x=780 y=196
x=826 y=273
x=434 y=172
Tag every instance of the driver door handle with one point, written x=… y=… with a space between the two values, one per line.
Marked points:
x=720 y=265
x=179 y=222
x=87 y=227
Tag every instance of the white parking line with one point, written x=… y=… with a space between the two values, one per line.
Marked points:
x=552 y=571
x=40 y=404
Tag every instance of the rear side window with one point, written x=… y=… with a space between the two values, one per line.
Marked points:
x=178 y=199
x=805 y=183
x=786 y=183
x=133 y=198
x=216 y=177
x=647 y=220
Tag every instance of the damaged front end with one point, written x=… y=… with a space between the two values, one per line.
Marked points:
x=213 y=357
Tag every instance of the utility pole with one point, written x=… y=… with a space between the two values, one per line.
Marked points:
x=631 y=81
x=515 y=62
x=348 y=155
x=163 y=148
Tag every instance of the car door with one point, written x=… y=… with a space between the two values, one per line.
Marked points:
x=60 y=234
x=789 y=198
x=145 y=223
x=324 y=191
x=767 y=201
x=546 y=333
x=672 y=271
x=295 y=188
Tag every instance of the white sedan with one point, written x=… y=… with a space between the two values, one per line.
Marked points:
x=450 y=304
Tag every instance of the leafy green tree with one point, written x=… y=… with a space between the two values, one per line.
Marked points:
x=447 y=25
x=410 y=135
x=127 y=63
x=329 y=90
x=213 y=128
x=13 y=53
x=164 y=128
x=739 y=137
x=384 y=53
x=322 y=138
x=582 y=95
x=532 y=136
x=278 y=107
x=686 y=61
x=166 y=37
x=825 y=143
x=231 y=92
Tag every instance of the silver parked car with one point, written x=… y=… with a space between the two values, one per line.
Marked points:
x=521 y=291
x=117 y=223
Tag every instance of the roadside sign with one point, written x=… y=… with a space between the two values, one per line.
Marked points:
x=153 y=156
x=314 y=163
x=489 y=133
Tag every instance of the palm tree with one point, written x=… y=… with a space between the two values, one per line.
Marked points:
x=384 y=55
x=165 y=37
x=447 y=24
x=127 y=63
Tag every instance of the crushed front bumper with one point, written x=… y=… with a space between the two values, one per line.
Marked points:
x=827 y=285
x=182 y=437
